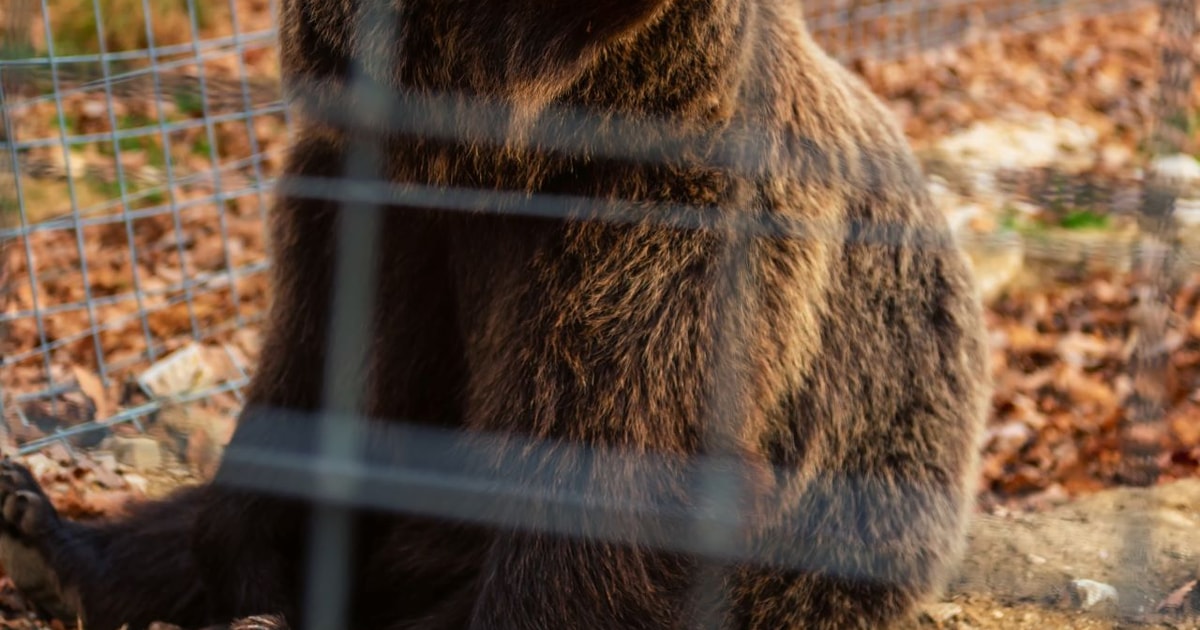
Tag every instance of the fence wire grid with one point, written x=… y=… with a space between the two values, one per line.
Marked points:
x=139 y=156
x=183 y=125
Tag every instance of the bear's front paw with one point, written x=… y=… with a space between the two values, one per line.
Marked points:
x=27 y=520
x=24 y=509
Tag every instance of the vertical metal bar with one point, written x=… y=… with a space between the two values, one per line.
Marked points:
x=18 y=38
x=64 y=138
x=722 y=487
x=122 y=188
x=1144 y=423
x=248 y=105
x=168 y=166
x=8 y=194
x=214 y=160
x=347 y=364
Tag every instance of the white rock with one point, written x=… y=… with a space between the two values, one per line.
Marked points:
x=183 y=371
x=1010 y=436
x=1187 y=212
x=137 y=482
x=40 y=465
x=1088 y=593
x=93 y=109
x=139 y=453
x=1179 y=167
x=941 y=613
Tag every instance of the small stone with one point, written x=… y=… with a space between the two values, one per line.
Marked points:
x=178 y=373
x=1187 y=212
x=139 y=453
x=1011 y=436
x=1087 y=594
x=41 y=465
x=137 y=482
x=93 y=109
x=1054 y=495
x=941 y=613
x=1036 y=559
x=1115 y=156
x=1180 y=168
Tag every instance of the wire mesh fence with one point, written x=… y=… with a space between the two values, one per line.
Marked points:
x=164 y=136
x=141 y=147
x=120 y=158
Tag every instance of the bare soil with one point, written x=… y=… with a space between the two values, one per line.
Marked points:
x=1018 y=568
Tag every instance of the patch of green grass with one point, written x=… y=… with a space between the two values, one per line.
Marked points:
x=131 y=143
x=1194 y=130
x=148 y=142
x=155 y=156
x=1013 y=220
x=201 y=147
x=127 y=144
x=77 y=31
x=60 y=120
x=135 y=121
x=16 y=49
x=101 y=190
x=1067 y=218
x=154 y=198
x=1083 y=220
x=109 y=189
x=146 y=199
x=189 y=103
x=9 y=206
x=1009 y=221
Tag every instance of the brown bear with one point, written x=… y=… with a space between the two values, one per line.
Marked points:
x=662 y=253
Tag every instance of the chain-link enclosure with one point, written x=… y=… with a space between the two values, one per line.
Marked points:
x=122 y=154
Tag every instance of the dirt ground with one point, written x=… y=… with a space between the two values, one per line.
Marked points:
x=1018 y=569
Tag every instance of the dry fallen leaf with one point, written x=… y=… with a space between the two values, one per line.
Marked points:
x=93 y=387
x=1178 y=600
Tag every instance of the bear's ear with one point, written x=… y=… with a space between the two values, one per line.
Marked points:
x=529 y=51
